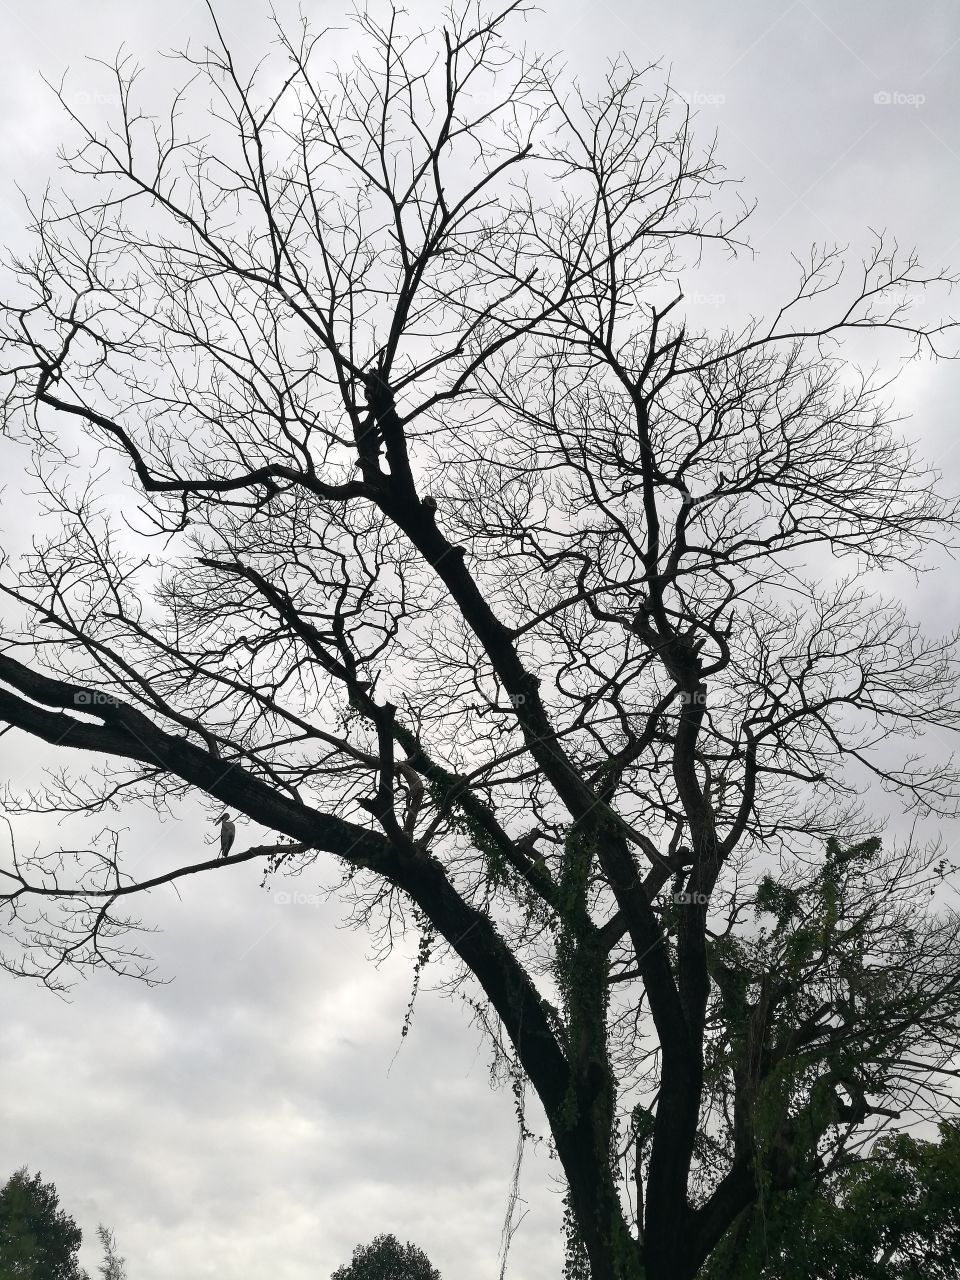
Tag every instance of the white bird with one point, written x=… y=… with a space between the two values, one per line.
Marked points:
x=228 y=833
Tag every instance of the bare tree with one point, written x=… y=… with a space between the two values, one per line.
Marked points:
x=478 y=567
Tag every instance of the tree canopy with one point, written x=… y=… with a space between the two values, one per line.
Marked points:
x=892 y=1214
x=385 y=1258
x=38 y=1239
x=393 y=498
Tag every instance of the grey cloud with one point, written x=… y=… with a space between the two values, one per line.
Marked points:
x=241 y=1121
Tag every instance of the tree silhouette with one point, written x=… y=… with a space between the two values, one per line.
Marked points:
x=892 y=1215
x=449 y=546
x=385 y=1258
x=113 y=1267
x=38 y=1240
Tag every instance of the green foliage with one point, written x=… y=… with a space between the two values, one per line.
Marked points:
x=820 y=997
x=38 y=1241
x=112 y=1267
x=576 y=1265
x=892 y=1216
x=779 y=899
x=385 y=1258
x=821 y=1006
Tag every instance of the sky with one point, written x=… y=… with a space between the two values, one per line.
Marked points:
x=253 y=1115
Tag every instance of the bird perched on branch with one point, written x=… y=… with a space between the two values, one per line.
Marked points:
x=228 y=833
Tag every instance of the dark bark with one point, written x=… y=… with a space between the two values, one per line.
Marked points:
x=405 y=385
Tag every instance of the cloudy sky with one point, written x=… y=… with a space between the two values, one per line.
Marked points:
x=252 y=1116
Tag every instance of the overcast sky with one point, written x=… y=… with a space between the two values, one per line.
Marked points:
x=249 y=1119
